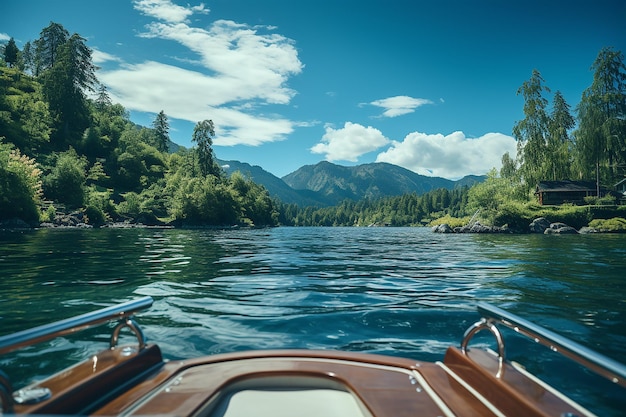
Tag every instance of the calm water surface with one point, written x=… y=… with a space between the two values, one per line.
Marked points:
x=396 y=291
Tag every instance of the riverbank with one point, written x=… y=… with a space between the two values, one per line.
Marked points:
x=541 y=225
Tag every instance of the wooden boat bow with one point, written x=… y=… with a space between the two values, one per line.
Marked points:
x=136 y=381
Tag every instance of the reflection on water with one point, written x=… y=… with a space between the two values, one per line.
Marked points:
x=403 y=291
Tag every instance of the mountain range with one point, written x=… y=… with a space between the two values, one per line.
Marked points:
x=327 y=184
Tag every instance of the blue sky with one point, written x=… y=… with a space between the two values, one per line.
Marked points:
x=427 y=85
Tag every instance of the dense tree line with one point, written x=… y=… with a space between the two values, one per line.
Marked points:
x=548 y=149
x=405 y=210
x=62 y=140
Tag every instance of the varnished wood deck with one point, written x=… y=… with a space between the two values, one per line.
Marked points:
x=112 y=383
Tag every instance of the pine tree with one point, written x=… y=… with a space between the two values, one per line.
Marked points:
x=50 y=40
x=11 y=53
x=162 y=128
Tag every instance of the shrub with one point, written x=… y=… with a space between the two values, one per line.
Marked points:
x=20 y=185
x=616 y=224
x=450 y=221
x=66 y=182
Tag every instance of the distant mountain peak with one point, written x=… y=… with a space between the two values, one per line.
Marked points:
x=327 y=184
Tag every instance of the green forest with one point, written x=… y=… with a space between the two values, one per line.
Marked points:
x=66 y=147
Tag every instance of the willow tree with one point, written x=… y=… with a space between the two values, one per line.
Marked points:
x=601 y=135
x=532 y=132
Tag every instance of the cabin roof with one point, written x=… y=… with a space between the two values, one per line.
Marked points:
x=566 y=185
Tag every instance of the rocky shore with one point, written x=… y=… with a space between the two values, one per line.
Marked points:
x=540 y=225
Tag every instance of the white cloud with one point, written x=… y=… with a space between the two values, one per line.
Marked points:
x=4 y=37
x=451 y=156
x=258 y=64
x=98 y=57
x=239 y=68
x=399 y=105
x=168 y=11
x=191 y=96
x=349 y=142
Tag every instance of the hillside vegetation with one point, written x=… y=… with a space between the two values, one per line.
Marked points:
x=64 y=146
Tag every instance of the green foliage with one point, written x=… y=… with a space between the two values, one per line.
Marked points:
x=47 y=46
x=616 y=224
x=451 y=221
x=203 y=134
x=204 y=200
x=49 y=214
x=66 y=181
x=24 y=116
x=99 y=207
x=608 y=200
x=161 y=128
x=532 y=131
x=138 y=164
x=492 y=195
x=256 y=205
x=405 y=210
x=109 y=157
x=131 y=206
x=601 y=134
x=11 y=53
x=20 y=185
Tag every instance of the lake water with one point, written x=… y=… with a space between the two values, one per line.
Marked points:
x=397 y=291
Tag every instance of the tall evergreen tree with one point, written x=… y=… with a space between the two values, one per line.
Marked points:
x=50 y=40
x=64 y=85
x=81 y=67
x=11 y=53
x=162 y=129
x=28 y=58
x=103 y=100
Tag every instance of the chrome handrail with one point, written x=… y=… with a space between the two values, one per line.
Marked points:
x=75 y=324
x=612 y=370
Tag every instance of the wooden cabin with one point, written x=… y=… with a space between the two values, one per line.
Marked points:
x=566 y=191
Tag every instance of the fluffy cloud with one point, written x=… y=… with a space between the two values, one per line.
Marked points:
x=167 y=11
x=399 y=105
x=451 y=156
x=349 y=142
x=239 y=69
x=4 y=37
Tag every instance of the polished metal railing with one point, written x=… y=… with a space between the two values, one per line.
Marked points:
x=612 y=370
x=122 y=312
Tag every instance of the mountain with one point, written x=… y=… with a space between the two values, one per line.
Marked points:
x=327 y=184
x=274 y=185
x=336 y=183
